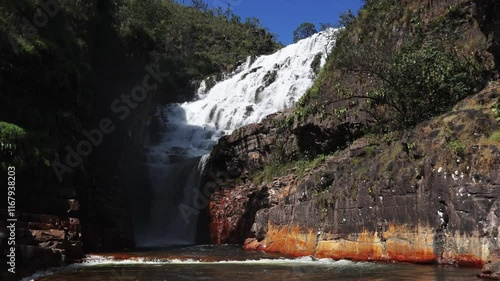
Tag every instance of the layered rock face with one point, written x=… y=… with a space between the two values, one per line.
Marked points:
x=426 y=195
x=41 y=241
x=487 y=14
x=491 y=269
x=236 y=159
x=429 y=195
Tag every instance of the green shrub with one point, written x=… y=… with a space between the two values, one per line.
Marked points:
x=420 y=81
x=11 y=136
x=316 y=63
x=370 y=151
x=277 y=169
x=496 y=110
x=425 y=80
x=495 y=136
x=312 y=93
x=406 y=68
x=458 y=147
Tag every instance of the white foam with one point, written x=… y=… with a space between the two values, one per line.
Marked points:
x=99 y=260
x=105 y=260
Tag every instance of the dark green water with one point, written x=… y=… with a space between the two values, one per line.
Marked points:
x=230 y=263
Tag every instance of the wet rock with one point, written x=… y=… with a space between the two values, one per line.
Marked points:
x=326 y=180
x=259 y=229
x=487 y=14
x=44 y=241
x=491 y=270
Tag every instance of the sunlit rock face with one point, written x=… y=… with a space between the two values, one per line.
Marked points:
x=418 y=197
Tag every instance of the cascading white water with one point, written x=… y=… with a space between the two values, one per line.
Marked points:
x=188 y=131
x=260 y=87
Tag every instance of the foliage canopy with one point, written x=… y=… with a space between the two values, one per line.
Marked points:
x=304 y=30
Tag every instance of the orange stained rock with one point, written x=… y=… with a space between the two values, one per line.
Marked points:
x=290 y=241
x=404 y=251
x=367 y=247
x=463 y=260
x=398 y=243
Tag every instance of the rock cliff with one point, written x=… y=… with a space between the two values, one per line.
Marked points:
x=326 y=187
x=487 y=14
x=42 y=241
x=426 y=195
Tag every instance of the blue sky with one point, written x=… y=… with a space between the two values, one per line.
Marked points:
x=284 y=16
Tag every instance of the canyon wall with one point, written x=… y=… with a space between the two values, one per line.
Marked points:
x=317 y=181
x=487 y=15
x=427 y=195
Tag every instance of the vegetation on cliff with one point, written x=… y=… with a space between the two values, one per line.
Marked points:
x=400 y=62
x=190 y=42
x=395 y=64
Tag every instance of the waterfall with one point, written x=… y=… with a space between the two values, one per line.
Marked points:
x=182 y=135
x=260 y=86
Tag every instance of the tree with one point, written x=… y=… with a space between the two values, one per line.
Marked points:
x=303 y=31
x=346 y=19
x=200 y=5
x=325 y=25
x=408 y=84
x=424 y=80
